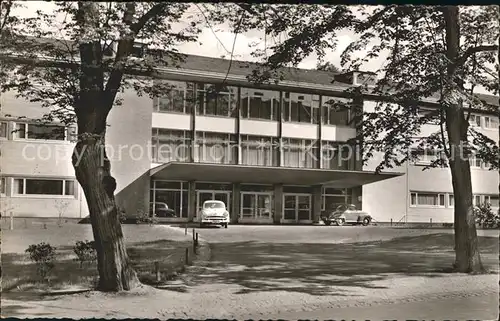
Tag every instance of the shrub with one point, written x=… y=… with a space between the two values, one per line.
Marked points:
x=485 y=217
x=145 y=217
x=85 y=252
x=43 y=255
x=122 y=215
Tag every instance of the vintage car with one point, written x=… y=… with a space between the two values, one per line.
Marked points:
x=214 y=213
x=345 y=214
x=161 y=210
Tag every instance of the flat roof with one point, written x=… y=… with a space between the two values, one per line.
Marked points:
x=229 y=173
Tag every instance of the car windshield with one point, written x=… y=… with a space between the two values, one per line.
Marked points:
x=161 y=205
x=341 y=207
x=214 y=205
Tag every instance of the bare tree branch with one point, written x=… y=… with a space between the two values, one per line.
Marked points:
x=473 y=50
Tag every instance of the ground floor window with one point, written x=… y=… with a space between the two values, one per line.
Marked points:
x=492 y=200
x=427 y=199
x=173 y=194
x=2 y=185
x=45 y=186
x=257 y=205
x=332 y=197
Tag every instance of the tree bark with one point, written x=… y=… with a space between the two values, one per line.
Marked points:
x=92 y=170
x=467 y=257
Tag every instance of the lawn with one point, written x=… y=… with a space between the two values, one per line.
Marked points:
x=145 y=245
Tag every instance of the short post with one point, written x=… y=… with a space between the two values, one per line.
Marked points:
x=44 y=226
x=391 y=221
x=196 y=240
x=157 y=271
x=11 y=220
x=186 y=229
x=431 y=221
x=186 y=258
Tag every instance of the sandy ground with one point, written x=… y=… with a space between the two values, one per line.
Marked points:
x=250 y=276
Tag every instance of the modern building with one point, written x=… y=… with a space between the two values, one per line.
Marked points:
x=273 y=153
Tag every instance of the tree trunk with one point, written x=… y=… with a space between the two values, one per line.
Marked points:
x=92 y=170
x=467 y=257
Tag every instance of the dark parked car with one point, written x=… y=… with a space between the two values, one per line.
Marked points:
x=345 y=214
x=161 y=210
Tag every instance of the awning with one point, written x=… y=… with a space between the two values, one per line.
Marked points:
x=226 y=173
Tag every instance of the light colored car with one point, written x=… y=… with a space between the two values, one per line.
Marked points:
x=346 y=214
x=214 y=213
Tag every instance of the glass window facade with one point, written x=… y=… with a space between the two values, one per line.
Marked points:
x=40 y=131
x=259 y=150
x=216 y=100
x=174 y=194
x=301 y=108
x=216 y=148
x=259 y=104
x=336 y=110
x=300 y=153
x=336 y=155
x=178 y=98
x=170 y=145
x=32 y=186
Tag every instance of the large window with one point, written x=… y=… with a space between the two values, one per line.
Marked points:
x=426 y=199
x=170 y=145
x=216 y=148
x=300 y=153
x=260 y=104
x=479 y=200
x=31 y=186
x=179 y=97
x=427 y=156
x=258 y=150
x=216 y=100
x=336 y=110
x=332 y=197
x=174 y=194
x=40 y=131
x=475 y=120
x=336 y=155
x=3 y=129
x=302 y=108
x=491 y=122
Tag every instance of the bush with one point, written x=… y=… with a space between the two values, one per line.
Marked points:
x=122 y=215
x=43 y=255
x=147 y=218
x=485 y=217
x=85 y=252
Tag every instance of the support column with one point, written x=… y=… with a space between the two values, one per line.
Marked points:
x=191 y=201
x=235 y=207
x=278 y=203
x=316 y=202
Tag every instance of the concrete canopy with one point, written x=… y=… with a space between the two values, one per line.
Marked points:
x=228 y=173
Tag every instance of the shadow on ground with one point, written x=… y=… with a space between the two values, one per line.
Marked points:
x=20 y=280
x=330 y=269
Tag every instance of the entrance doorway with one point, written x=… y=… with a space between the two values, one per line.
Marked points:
x=296 y=208
x=207 y=195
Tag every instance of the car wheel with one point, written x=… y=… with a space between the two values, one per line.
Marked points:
x=340 y=222
x=327 y=223
x=366 y=221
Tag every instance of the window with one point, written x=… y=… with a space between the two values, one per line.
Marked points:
x=428 y=156
x=31 y=186
x=333 y=197
x=492 y=200
x=475 y=162
x=451 y=200
x=302 y=108
x=424 y=199
x=432 y=115
x=259 y=150
x=475 y=120
x=260 y=104
x=171 y=145
x=3 y=129
x=299 y=153
x=336 y=155
x=491 y=122
x=216 y=100
x=336 y=111
x=216 y=148
x=40 y=131
x=3 y=188
x=476 y=200
x=179 y=97
x=173 y=194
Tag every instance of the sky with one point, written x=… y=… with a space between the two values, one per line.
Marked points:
x=218 y=42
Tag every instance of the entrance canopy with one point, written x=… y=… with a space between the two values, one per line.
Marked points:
x=265 y=175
